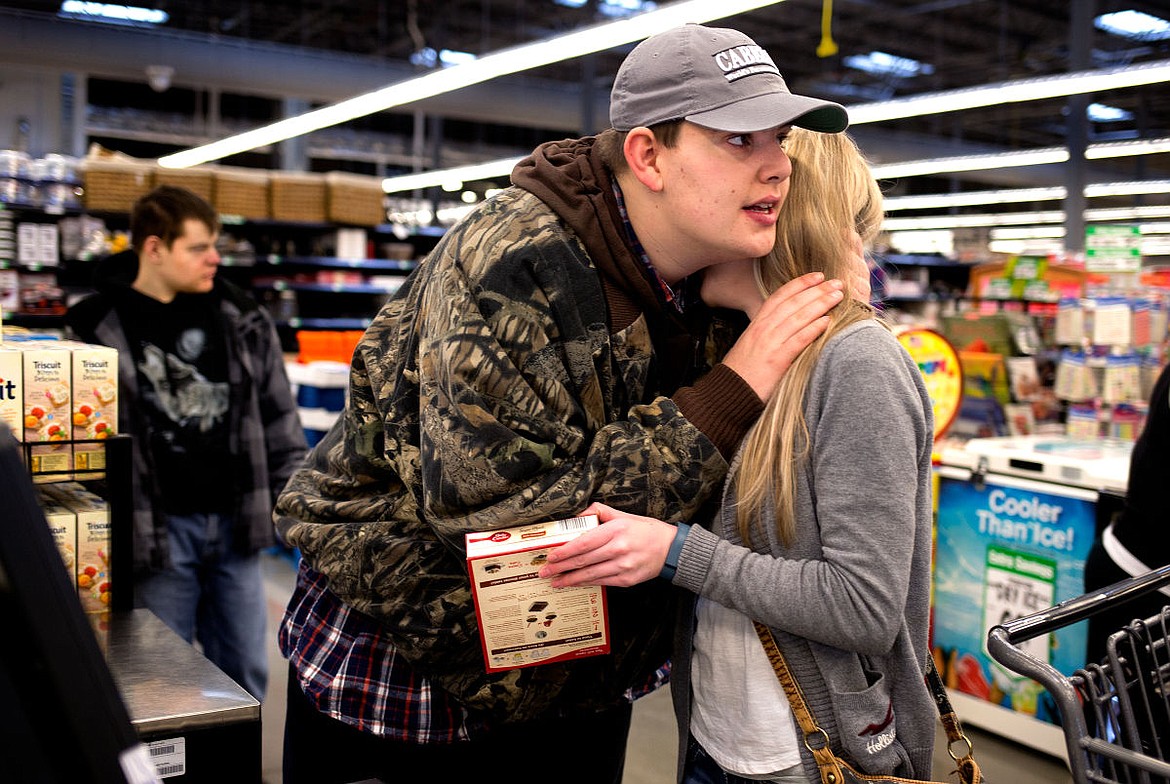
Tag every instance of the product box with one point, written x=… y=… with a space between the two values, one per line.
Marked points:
x=95 y=405
x=62 y=526
x=93 y=543
x=47 y=392
x=12 y=389
x=523 y=620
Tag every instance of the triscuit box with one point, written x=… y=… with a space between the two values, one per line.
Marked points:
x=12 y=390
x=93 y=543
x=523 y=620
x=47 y=413
x=63 y=528
x=95 y=406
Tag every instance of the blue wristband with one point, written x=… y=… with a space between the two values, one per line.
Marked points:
x=671 y=565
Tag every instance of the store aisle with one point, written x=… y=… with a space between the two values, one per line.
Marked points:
x=650 y=759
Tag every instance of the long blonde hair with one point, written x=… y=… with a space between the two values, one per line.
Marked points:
x=831 y=195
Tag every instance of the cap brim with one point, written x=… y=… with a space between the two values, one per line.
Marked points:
x=775 y=109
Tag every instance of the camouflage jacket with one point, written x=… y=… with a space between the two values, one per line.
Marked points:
x=490 y=392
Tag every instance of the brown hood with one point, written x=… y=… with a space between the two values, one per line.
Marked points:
x=568 y=177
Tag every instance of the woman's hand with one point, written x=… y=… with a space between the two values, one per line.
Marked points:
x=625 y=550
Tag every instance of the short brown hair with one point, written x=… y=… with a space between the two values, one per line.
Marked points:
x=162 y=213
x=609 y=143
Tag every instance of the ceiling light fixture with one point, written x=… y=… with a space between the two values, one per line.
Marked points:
x=939 y=201
x=1015 y=91
x=1022 y=218
x=586 y=40
x=962 y=163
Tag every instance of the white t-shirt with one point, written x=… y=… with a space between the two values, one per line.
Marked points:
x=740 y=713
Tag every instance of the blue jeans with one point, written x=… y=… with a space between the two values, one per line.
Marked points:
x=701 y=769
x=213 y=595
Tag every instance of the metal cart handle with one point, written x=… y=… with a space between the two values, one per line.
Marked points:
x=1003 y=638
x=1078 y=608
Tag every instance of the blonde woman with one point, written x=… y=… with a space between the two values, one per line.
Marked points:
x=824 y=530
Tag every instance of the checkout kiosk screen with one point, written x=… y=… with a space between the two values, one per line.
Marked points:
x=1006 y=548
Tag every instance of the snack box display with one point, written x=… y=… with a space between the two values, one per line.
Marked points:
x=93 y=543
x=523 y=620
x=95 y=405
x=47 y=368
x=12 y=389
x=62 y=526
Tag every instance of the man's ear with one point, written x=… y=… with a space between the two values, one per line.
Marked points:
x=642 y=149
x=150 y=247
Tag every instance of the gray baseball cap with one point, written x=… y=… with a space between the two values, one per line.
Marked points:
x=714 y=77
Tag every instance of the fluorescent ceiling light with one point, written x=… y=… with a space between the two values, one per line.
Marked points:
x=961 y=163
x=1127 y=149
x=1004 y=160
x=451 y=179
x=1058 y=86
x=887 y=65
x=112 y=13
x=586 y=40
x=930 y=222
x=1135 y=25
x=429 y=58
x=1144 y=187
x=1099 y=112
x=938 y=201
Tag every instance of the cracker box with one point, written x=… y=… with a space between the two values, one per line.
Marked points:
x=523 y=620
x=47 y=412
x=12 y=390
x=95 y=406
x=93 y=543
x=63 y=528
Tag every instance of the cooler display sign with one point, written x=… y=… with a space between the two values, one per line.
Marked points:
x=1007 y=548
x=939 y=364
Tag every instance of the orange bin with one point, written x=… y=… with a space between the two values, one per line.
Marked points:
x=332 y=345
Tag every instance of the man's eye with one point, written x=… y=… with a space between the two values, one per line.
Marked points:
x=740 y=140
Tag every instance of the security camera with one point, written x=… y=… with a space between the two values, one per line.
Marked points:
x=159 y=77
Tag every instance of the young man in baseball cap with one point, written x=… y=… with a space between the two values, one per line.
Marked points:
x=550 y=352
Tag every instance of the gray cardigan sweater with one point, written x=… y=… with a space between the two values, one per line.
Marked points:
x=849 y=601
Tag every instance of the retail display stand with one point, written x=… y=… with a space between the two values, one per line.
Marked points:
x=62 y=711
x=1016 y=519
x=114 y=696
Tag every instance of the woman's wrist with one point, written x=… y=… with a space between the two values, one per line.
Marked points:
x=672 y=554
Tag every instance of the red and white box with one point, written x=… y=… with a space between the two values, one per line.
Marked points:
x=523 y=620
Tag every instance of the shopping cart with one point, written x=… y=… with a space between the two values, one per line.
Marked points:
x=1115 y=714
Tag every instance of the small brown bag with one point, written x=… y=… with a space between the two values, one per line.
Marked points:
x=835 y=770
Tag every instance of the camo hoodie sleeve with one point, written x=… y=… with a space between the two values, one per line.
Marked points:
x=488 y=393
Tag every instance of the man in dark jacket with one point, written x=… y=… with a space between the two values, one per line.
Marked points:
x=206 y=399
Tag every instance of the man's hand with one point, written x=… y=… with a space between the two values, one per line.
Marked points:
x=787 y=322
x=625 y=550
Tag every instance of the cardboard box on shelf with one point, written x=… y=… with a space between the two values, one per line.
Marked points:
x=63 y=528
x=95 y=405
x=523 y=620
x=12 y=389
x=93 y=543
x=47 y=368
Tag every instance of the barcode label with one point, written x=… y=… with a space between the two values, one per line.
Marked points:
x=575 y=524
x=169 y=756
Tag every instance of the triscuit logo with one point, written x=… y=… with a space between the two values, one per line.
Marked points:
x=740 y=61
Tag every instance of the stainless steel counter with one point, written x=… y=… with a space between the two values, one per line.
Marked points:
x=167 y=685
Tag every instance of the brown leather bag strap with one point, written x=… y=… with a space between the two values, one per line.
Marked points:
x=816 y=740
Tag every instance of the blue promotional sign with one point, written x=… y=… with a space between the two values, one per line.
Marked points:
x=1006 y=548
